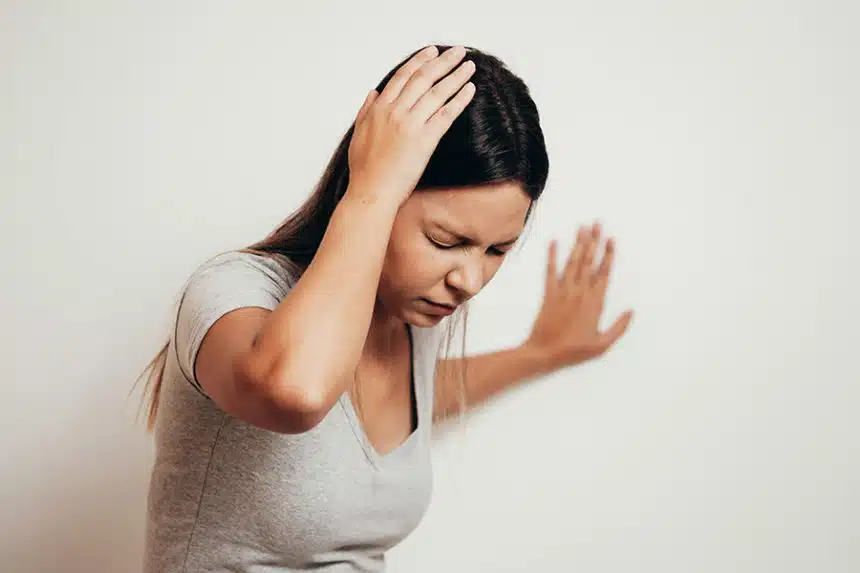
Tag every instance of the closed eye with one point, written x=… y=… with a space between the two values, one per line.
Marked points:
x=494 y=251
x=439 y=245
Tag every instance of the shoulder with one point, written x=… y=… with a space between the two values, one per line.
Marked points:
x=235 y=279
x=244 y=266
x=224 y=283
x=237 y=276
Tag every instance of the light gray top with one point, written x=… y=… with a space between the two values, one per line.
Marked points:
x=229 y=496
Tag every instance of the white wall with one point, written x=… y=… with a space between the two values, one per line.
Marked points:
x=716 y=140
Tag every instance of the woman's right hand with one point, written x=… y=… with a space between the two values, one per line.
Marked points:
x=397 y=131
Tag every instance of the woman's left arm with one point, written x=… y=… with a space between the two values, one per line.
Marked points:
x=565 y=332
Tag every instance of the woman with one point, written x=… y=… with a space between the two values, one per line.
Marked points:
x=292 y=405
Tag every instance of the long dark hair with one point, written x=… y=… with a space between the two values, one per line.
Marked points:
x=496 y=138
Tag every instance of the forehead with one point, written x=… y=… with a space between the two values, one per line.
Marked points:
x=484 y=212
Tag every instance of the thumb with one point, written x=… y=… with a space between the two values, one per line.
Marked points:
x=614 y=332
x=368 y=101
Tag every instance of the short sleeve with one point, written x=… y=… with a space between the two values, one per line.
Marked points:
x=225 y=283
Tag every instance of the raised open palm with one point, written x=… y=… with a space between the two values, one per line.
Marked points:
x=567 y=326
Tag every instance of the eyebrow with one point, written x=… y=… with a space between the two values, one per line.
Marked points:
x=469 y=240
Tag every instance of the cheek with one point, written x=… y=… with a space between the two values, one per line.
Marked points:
x=491 y=268
x=414 y=265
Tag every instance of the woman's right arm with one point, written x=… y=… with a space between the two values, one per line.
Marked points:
x=284 y=369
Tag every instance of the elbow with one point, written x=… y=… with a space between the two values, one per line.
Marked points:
x=299 y=409
x=292 y=408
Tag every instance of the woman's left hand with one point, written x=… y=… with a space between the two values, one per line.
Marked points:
x=566 y=330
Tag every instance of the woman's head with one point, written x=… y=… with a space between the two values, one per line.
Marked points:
x=471 y=202
x=480 y=183
x=446 y=245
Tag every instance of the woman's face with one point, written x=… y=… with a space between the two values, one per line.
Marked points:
x=445 y=247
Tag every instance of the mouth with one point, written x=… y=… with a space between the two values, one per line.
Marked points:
x=437 y=307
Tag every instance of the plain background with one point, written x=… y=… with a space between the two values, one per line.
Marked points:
x=717 y=141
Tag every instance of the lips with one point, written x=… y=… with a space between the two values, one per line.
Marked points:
x=439 y=308
x=439 y=304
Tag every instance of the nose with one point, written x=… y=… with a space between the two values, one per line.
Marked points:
x=467 y=278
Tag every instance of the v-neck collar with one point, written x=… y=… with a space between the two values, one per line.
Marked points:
x=416 y=401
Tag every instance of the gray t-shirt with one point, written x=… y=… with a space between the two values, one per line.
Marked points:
x=229 y=496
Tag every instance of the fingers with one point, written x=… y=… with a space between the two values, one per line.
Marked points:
x=401 y=77
x=574 y=261
x=552 y=266
x=580 y=265
x=433 y=98
x=368 y=101
x=423 y=79
x=601 y=279
x=592 y=240
x=441 y=121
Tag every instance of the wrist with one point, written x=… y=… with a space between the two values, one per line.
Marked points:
x=375 y=196
x=543 y=357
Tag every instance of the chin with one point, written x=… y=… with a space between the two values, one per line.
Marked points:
x=421 y=320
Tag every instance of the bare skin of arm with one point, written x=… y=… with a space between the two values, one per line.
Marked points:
x=275 y=369
x=486 y=376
